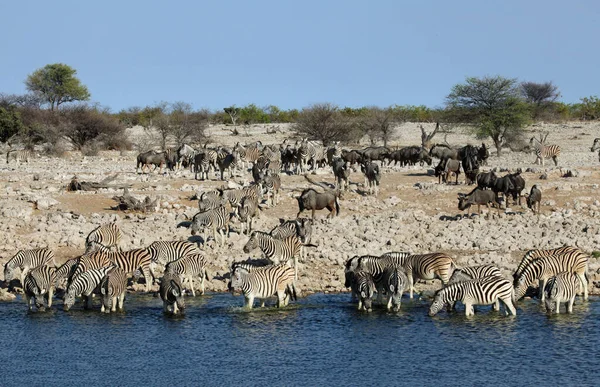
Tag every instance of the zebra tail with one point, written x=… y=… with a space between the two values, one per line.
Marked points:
x=291 y=290
x=337 y=206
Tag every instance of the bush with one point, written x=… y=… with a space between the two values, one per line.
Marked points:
x=83 y=125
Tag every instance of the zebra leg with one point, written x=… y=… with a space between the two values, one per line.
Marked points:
x=541 y=291
x=175 y=308
x=389 y=302
x=248 y=301
x=557 y=307
x=469 y=310
x=28 y=301
x=191 y=285
x=295 y=267
x=50 y=294
x=147 y=278
x=359 y=303
x=570 y=305
x=411 y=284
x=113 y=307
x=496 y=306
x=280 y=298
x=121 y=300
x=583 y=282
x=509 y=304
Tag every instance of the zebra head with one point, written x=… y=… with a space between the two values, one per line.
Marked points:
x=350 y=268
x=437 y=304
x=521 y=288
x=596 y=144
x=238 y=276
x=252 y=243
x=177 y=293
x=550 y=305
x=11 y=265
x=69 y=300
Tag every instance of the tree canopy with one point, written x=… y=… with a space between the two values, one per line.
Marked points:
x=57 y=84
x=323 y=122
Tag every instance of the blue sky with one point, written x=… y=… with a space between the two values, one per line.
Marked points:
x=294 y=53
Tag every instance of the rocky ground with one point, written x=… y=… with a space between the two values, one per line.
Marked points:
x=412 y=212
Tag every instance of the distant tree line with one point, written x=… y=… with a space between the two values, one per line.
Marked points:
x=56 y=110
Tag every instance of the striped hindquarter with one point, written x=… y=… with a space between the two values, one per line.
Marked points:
x=263 y=282
x=561 y=288
x=363 y=286
x=216 y=219
x=164 y=252
x=428 y=267
x=84 y=285
x=482 y=291
x=64 y=273
x=474 y=272
x=105 y=237
x=39 y=282
x=132 y=260
x=543 y=152
x=96 y=260
x=25 y=260
x=532 y=255
x=275 y=250
x=248 y=210
x=113 y=288
x=171 y=293
x=545 y=268
x=193 y=265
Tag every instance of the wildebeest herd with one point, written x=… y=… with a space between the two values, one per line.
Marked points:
x=105 y=270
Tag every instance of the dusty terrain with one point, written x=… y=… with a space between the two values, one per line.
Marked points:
x=412 y=212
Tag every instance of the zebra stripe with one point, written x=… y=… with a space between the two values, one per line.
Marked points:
x=545 y=151
x=87 y=262
x=363 y=286
x=113 y=288
x=470 y=273
x=394 y=280
x=227 y=161
x=164 y=252
x=39 y=282
x=27 y=260
x=105 y=237
x=193 y=265
x=247 y=155
x=272 y=184
x=248 y=210
x=264 y=282
x=171 y=292
x=482 y=291
x=545 y=268
x=428 y=267
x=532 y=255
x=19 y=155
x=217 y=219
x=132 y=260
x=84 y=285
x=301 y=228
x=561 y=288
x=64 y=273
x=275 y=250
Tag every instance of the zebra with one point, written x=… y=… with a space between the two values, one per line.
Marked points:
x=211 y=199
x=19 y=155
x=428 y=267
x=482 y=291
x=87 y=262
x=544 y=151
x=545 y=268
x=235 y=196
x=113 y=288
x=596 y=146
x=264 y=282
x=275 y=250
x=188 y=267
x=247 y=155
x=375 y=265
x=185 y=153
x=363 y=286
x=248 y=210
x=561 y=288
x=372 y=176
x=65 y=272
x=171 y=293
x=227 y=161
x=163 y=252
x=301 y=228
x=132 y=260
x=84 y=285
x=394 y=280
x=25 y=260
x=217 y=219
x=533 y=255
x=39 y=282
x=250 y=265
x=202 y=165
x=272 y=184
x=105 y=237
x=310 y=151
x=474 y=272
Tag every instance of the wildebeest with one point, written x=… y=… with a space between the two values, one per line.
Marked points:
x=451 y=167
x=534 y=199
x=486 y=180
x=471 y=168
x=373 y=153
x=341 y=171
x=151 y=157
x=477 y=196
x=443 y=152
x=312 y=200
x=518 y=185
x=352 y=156
x=409 y=155
x=596 y=146
x=372 y=176
x=505 y=185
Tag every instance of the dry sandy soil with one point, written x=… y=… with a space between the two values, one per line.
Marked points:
x=412 y=212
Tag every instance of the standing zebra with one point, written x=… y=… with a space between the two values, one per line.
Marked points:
x=275 y=250
x=264 y=282
x=113 y=288
x=272 y=185
x=248 y=210
x=376 y=266
x=482 y=291
x=65 y=272
x=217 y=219
x=428 y=267
x=596 y=146
x=19 y=155
x=364 y=287
x=300 y=227
x=27 y=260
x=163 y=252
x=561 y=288
x=227 y=161
x=394 y=280
x=87 y=262
x=171 y=293
x=247 y=155
x=132 y=260
x=185 y=153
x=84 y=285
x=193 y=265
x=39 y=282
x=474 y=272
x=544 y=151
x=105 y=237
x=545 y=268
x=532 y=255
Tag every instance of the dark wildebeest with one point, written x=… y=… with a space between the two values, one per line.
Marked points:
x=289 y=157
x=409 y=155
x=483 y=154
x=372 y=176
x=352 y=157
x=486 y=180
x=518 y=186
x=341 y=171
x=477 y=196
x=443 y=152
x=451 y=167
x=469 y=163
x=534 y=199
x=312 y=200
x=145 y=159
x=505 y=185
x=333 y=152
x=373 y=153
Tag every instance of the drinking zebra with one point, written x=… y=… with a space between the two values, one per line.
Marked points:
x=264 y=282
x=428 y=267
x=482 y=291
x=275 y=250
x=96 y=260
x=394 y=281
x=113 y=288
x=84 y=285
x=545 y=268
x=163 y=252
x=132 y=260
x=105 y=237
x=544 y=151
x=533 y=255
x=363 y=286
x=25 y=260
x=39 y=282
x=376 y=266
x=561 y=288
x=171 y=293
x=217 y=219
x=64 y=273
x=192 y=265
x=19 y=155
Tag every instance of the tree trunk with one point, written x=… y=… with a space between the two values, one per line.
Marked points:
x=498 y=145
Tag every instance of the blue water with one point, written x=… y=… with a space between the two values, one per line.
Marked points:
x=319 y=341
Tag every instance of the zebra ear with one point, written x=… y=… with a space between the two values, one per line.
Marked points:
x=175 y=292
x=392 y=288
x=363 y=294
x=103 y=291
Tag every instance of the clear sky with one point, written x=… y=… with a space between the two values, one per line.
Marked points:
x=294 y=53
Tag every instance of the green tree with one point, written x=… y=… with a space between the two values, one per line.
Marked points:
x=589 y=108
x=539 y=95
x=493 y=105
x=252 y=114
x=57 y=84
x=10 y=123
x=233 y=113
